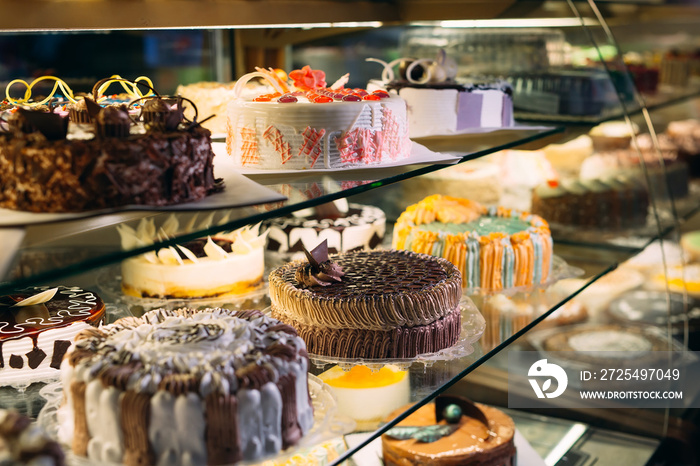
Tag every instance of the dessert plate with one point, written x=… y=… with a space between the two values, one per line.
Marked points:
x=473 y=326
x=328 y=424
x=239 y=191
x=419 y=155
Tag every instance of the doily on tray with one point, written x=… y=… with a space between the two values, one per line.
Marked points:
x=473 y=326
x=328 y=424
x=560 y=271
x=109 y=282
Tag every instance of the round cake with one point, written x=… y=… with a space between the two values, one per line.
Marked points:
x=22 y=442
x=37 y=326
x=306 y=124
x=346 y=227
x=209 y=386
x=493 y=248
x=475 y=435
x=369 y=304
x=121 y=163
x=224 y=265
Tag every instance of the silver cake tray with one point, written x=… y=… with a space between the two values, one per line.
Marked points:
x=328 y=424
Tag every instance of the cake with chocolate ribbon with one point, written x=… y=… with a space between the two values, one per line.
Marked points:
x=450 y=431
x=37 y=326
x=209 y=386
x=494 y=248
x=369 y=304
x=157 y=158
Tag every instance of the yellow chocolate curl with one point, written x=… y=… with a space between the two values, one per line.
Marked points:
x=131 y=88
x=59 y=84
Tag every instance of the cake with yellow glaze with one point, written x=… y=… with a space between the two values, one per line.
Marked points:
x=493 y=248
x=476 y=435
x=369 y=304
x=367 y=396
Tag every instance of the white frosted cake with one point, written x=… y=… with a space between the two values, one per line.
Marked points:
x=438 y=104
x=305 y=124
x=185 y=387
x=367 y=396
x=223 y=265
x=346 y=227
x=37 y=326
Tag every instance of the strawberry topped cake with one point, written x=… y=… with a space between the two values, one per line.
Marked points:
x=303 y=123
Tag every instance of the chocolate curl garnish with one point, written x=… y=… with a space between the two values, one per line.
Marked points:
x=93 y=108
x=53 y=126
x=320 y=271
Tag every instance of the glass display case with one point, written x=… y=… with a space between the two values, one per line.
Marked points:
x=572 y=67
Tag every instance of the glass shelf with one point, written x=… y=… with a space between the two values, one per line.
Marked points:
x=56 y=251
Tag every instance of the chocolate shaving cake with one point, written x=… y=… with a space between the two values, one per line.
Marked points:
x=44 y=168
x=209 y=386
x=386 y=304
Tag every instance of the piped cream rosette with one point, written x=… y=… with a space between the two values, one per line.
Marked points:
x=226 y=264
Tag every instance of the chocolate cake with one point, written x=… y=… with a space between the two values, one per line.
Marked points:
x=37 y=326
x=43 y=168
x=370 y=304
x=23 y=442
x=209 y=386
x=451 y=431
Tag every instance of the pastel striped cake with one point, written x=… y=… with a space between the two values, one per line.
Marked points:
x=494 y=248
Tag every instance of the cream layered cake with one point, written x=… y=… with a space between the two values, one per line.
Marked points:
x=209 y=386
x=163 y=160
x=227 y=264
x=438 y=104
x=367 y=396
x=612 y=202
x=369 y=304
x=451 y=431
x=493 y=248
x=346 y=227
x=304 y=123
x=22 y=442
x=37 y=326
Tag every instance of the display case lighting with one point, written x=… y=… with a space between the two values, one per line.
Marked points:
x=519 y=23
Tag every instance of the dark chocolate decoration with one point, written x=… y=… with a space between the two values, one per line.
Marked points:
x=113 y=121
x=320 y=270
x=16 y=362
x=59 y=350
x=469 y=409
x=35 y=357
x=53 y=126
x=93 y=108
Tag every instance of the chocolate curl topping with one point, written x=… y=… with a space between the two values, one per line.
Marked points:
x=320 y=271
x=93 y=108
x=469 y=409
x=53 y=126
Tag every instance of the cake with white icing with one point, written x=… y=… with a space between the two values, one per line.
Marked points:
x=346 y=227
x=37 y=326
x=493 y=248
x=222 y=265
x=438 y=104
x=209 y=386
x=305 y=124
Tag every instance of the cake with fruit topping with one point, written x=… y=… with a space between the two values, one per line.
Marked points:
x=305 y=124
x=493 y=248
x=369 y=304
x=227 y=264
x=438 y=103
x=209 y=386
x=163 y=160
x=452 y=430
x=37 y=326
